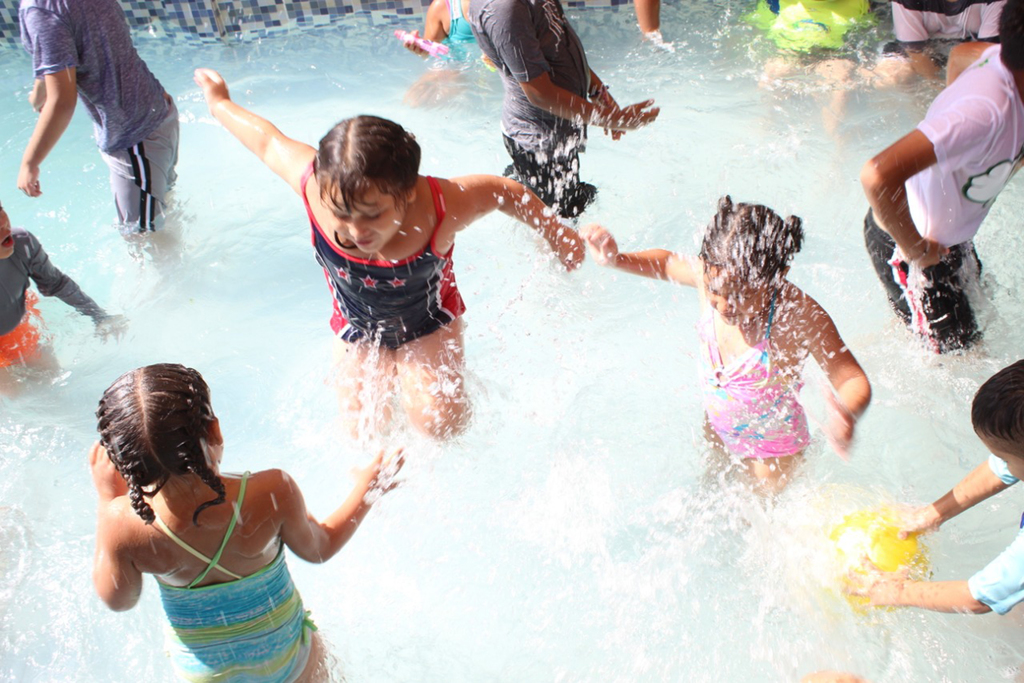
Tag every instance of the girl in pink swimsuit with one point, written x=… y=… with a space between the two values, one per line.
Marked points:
x=756 y=331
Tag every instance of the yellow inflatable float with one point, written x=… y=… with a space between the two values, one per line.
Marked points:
x=803 y=25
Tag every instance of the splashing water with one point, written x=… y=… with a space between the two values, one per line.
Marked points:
x=578 y=519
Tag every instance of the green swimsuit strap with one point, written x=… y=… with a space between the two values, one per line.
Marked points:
x=227 y=534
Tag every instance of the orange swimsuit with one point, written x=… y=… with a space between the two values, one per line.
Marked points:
x=21 y=343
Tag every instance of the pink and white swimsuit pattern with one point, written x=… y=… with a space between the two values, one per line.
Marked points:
x=750 y=403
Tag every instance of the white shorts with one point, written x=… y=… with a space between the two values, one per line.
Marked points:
x=141 y=176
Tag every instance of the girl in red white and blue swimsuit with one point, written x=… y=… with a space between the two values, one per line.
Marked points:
x=384 y=236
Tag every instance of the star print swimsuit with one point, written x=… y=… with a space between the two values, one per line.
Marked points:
x=388 y=302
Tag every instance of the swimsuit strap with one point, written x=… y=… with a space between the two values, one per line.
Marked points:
x=771 y=314
x=211 y=562
x=454 y=10
x=439 y=208
x=227 y=535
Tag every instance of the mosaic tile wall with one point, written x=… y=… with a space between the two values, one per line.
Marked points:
x=214 y=20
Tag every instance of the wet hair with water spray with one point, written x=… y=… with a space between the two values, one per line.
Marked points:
x=153 y=422
x=998 y=407
x=751 y=242
x=366 y=152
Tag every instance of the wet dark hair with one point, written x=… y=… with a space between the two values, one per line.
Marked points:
x=366 y=152
x=998 y=407
x=1011 y=34
x=751 y=241
x=153 y=422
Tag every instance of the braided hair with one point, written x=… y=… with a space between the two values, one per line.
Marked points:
x=752 y=242
x=153 y=422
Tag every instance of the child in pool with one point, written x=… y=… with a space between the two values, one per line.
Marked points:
x=445 y=22
x=158 y=460
x=756 y=332
x=997 y=415
x=384 y=235
x=22 y=259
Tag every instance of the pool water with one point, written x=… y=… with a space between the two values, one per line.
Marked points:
x=577 y=532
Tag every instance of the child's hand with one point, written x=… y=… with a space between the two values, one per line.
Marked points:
x=603 y=248
x=880 y=588
x=111 y=326
x=919 y=520
x=637 y=115
x=839 y=430
x=214 y=88
x=926 y=253
x=410 y=44
x=37 y=98
x=568 y=246
x=108 y=481
x=28 y=180
x=378 y=477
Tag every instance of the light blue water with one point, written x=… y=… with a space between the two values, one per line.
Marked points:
x=574 y=534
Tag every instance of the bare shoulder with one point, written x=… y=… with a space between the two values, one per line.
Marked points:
x=800 y=322
x=271 y=490
x=797 y=307
x=120 y=529
x=469 y=197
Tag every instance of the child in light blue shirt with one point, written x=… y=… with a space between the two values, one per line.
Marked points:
x=998 y=418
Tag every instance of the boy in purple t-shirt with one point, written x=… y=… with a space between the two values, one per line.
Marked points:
x=83 y=49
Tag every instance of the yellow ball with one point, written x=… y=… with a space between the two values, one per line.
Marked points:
x=874 y=534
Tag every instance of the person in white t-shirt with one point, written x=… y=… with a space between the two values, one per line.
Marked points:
x=921 y=26
x=930 y=191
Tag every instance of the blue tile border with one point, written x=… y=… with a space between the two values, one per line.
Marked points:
x=215 y=20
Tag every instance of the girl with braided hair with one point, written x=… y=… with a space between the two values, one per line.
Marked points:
x=756 y=332
x=214 y=541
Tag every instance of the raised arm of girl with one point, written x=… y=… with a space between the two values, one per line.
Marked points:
x=284 y=156
x=474 y=196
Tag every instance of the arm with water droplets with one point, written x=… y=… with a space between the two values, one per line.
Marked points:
x=980 y=484
x=316 y=541
x=659 y=264
x=472 y=197
x=884 y=179
x=284 y=156
x=816 y=329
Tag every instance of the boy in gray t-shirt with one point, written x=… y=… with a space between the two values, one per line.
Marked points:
x=83 y=49
x=551 y=94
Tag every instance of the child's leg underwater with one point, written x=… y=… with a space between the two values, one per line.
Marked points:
x=773 y=474
x=433 y=390
x=768 y=475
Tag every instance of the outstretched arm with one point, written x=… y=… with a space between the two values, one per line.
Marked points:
x=604 y=112
x=471 y=197
x=284 y=156
x=980 y=484
x=316 y=541
x=938 y=596
x=883 y=178
x=659 y=264
x=61 y=94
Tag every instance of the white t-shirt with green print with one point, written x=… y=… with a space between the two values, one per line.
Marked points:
x=977 y=128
